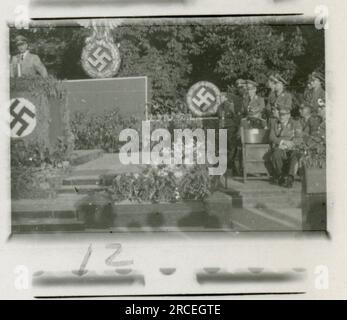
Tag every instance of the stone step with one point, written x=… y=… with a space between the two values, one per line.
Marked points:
x=265 y=198
x=79 y=157
x=81 y=180
x=45 y=214
x=46 y=224
x=261 y=220
x=79 y=189
x=45 y=221
x=62 y=205
x=275 y=201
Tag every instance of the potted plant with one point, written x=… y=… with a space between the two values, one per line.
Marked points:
x=313 y=163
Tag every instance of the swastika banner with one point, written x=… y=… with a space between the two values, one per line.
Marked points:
x=203 y=99
x=22 y=117
x=101 y=59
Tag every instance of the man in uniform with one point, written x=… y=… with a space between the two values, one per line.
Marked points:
x=271 y=99
x=308 y=89
x=320 y=133
x=241 y=108
x=317 y=92
x=255 y=102
x=231 y=112
x=26 y=63
x=284 y=99
x=285 y=135
x=255 y=108
x=309 y=121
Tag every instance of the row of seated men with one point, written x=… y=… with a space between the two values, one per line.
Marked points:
x=288 y=129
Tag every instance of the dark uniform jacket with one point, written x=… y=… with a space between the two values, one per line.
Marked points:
x=271 y=100
x=292 y=132
x=31 y=65
x=314 y=97
x=318 y=135
x=310 y=125
x=284 y=101
x=256 y=104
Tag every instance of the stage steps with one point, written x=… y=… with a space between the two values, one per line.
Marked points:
x=79 y=157
x=46 y=224
x=251 y=206
x=261 y=194
x=57 y=214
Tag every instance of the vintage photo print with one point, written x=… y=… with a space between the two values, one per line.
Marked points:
x=134 y=140
x=168 y=125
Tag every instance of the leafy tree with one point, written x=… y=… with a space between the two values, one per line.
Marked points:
x=174 y=56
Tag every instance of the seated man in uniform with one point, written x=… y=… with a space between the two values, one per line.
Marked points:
x=319 y=133
x=309 y=121
x=285 y=135
x=25 y=63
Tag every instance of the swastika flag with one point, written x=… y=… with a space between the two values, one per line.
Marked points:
x=22 y=117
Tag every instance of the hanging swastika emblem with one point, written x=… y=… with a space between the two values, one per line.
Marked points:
x=203 y=99
x=101 y=59
x=22 y=117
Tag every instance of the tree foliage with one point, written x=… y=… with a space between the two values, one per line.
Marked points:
x=174 y=56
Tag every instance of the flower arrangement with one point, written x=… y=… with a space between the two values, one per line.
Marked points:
x=162 y=183
x=313 y=149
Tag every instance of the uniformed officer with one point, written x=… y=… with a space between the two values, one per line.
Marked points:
x=26 y=63
x=285 y=135
x=284 y=99
x=317 y=92
x=256 y=103
x=308 y=89
x=241 y=86
x=320 y=133
x=309 y=121
x=271 y=99
x=229 y=114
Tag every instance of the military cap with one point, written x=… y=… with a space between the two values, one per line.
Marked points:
x=272 y=78
x=20 y=39
x=284 y=110
x=241 y=82
x=278 y=78
x=251 y=84
x=318 y=75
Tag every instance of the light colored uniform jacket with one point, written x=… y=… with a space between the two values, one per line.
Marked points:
x=31 y=65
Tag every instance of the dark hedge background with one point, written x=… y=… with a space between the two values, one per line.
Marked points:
x=176 y=56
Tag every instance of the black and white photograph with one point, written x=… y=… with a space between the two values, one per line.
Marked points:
x=184 y=128
x=168 y=125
